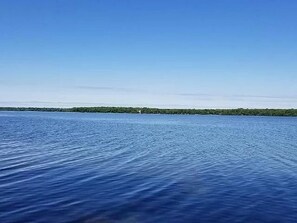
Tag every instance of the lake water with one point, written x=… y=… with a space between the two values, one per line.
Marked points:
x=79 y=167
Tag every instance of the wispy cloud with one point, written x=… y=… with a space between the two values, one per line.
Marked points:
x=48 y=104
x=103 y=88
x=238 y=97
x=196 y=96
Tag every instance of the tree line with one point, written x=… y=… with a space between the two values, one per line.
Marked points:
x=146 y=110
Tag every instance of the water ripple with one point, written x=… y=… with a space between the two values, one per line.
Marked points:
x=71 y=167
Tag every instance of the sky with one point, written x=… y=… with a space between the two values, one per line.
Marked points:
x=153 y=53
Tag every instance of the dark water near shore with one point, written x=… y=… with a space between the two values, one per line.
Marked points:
x=72 y=167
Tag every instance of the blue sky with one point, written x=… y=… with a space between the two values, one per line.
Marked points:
x=156 y=53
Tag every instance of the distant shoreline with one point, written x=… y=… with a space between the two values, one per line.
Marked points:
x=145 y=110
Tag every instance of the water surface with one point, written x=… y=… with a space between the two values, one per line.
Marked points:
x=79 y=167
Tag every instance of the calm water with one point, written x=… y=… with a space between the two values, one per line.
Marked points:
x=72 y=167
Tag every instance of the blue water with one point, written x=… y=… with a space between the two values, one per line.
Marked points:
x=75 y=167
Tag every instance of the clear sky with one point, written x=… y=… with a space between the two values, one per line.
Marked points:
x=157 y=53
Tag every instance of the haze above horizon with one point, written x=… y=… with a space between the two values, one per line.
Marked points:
x=173 y=54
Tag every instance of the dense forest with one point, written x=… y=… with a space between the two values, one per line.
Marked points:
x=144 y=110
